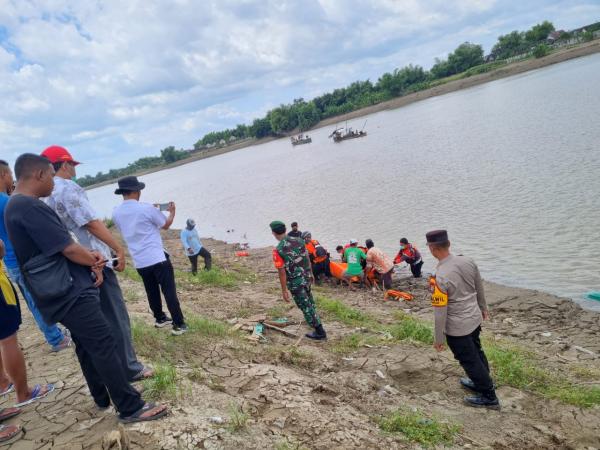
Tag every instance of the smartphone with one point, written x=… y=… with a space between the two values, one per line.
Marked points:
x=163 y=206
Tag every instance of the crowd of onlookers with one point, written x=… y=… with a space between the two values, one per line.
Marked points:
x=62 y=258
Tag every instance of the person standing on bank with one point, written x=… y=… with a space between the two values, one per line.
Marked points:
x=60 y=274
x=295 y=231
x=55 y=337
x=459 y=307
x=193 y=246
x=293 y=265
x=410 y=255
x=71 y=204
x=140 y=224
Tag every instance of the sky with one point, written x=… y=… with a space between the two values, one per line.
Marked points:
x=114 y=81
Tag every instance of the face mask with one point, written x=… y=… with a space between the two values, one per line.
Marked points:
x=402 y=247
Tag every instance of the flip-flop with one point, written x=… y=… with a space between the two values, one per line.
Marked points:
x=12 y=431
x=36 y=394
x=8 y=390
x=7 y=413
x=143 y=374
x=137 y=416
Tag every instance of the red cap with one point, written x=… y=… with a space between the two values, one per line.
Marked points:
x=56 y=153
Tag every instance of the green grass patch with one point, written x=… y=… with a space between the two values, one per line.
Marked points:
x=215 y=277
x=292 y=356
x=243 y=273
x=586 y=373
x=160 y=345
x=353 y=342
x=279 y=310
x=147 y=339
x=163 y=384
x=410 y=328
x=343 y=313
x=130 y=295
x=519 y=368
x=428 y=432
x=238 y=419
x=204 y=326
x=131 y=273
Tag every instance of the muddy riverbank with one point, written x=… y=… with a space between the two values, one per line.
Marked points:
x=226 y=391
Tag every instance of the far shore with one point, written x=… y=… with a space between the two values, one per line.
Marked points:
x=559 y=56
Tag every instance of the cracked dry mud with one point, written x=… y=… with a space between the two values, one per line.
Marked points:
x=309 y=396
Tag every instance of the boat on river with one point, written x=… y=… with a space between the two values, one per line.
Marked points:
x=301 y=139
x=343 y=134
x=339 y=136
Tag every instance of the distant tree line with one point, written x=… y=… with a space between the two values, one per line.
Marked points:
x=466 y=60
x=167 y=156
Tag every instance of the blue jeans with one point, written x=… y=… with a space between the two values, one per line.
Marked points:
x=52 y=333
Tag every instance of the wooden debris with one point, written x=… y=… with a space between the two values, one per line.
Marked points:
x=281 y=330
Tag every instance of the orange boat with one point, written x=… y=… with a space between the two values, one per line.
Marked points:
x=338 y=269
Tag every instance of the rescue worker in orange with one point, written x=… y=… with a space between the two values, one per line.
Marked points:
x=410 y=255
x=459 y=308
x=319 y=257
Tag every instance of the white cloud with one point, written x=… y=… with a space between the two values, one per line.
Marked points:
x=119 y=80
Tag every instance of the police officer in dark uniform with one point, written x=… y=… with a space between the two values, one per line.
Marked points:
x=459 y=308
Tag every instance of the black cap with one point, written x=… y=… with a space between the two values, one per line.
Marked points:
x=129 y=184
x=437 y=237
x=404 y=241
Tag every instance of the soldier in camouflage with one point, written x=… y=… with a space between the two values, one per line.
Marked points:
x=295 y=273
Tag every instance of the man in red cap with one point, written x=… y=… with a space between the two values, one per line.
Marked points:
x=71 y=203
x=59 y=273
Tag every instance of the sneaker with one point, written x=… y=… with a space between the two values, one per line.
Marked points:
x=163 y=322
x=178 y=330
x=65 y=343
x=481 y=401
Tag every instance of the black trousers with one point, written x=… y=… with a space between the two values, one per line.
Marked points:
x=162 y=277
x=114 y=310
x=416 y=269
x=100 y=362
x=207 y=260
x=321 y=268
x=468 y=352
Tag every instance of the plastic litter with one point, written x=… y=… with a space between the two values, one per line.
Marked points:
x=593 y=296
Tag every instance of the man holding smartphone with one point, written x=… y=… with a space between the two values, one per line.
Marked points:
x=140 y=224
x=71 y=203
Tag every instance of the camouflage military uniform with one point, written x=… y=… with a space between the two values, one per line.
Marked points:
x=298 y=272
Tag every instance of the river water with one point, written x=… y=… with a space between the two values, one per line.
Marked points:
x=511 y=168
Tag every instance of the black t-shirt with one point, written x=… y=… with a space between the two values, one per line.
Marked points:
x=33 y=229
x=295 y=234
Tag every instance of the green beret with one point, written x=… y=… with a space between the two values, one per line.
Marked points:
x=276 y=224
